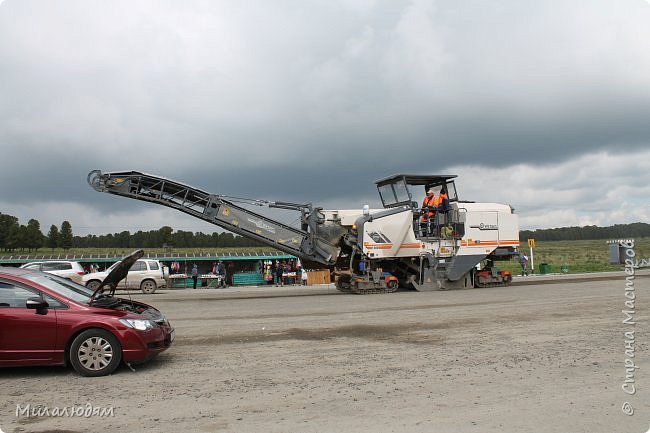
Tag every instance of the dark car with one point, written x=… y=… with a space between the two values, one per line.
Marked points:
x=49 y=320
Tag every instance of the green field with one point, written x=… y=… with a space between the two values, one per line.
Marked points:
x=578 y=256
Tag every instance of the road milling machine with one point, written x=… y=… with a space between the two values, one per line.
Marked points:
x=450 y=246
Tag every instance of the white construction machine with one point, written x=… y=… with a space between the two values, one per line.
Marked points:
x=451 y=246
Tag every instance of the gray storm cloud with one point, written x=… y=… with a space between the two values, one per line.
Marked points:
x=311 y=101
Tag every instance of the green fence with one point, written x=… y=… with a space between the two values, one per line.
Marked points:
x=248 y=279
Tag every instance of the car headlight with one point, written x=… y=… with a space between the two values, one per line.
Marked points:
x=139 y=324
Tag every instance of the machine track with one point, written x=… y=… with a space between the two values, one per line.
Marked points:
x=373 y=290
x=344 y=289
x=344 y=284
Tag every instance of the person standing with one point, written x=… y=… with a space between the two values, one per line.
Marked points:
x=221 y=271
x=230 y=272
x=429 y=205
x=523 y=261
x=195 y=275
x=429 y=208
x=443 y=200
x=278 y=273
x=303 y=276
x=283 y=270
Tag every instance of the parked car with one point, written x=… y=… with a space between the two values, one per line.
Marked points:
x=145 y=274
x=49 y=320
x=63 y=268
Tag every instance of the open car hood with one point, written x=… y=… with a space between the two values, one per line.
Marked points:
x=117 y=274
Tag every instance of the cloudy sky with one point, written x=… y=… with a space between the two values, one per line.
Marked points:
x=544 y=105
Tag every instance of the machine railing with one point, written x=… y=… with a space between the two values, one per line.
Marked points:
x=447 y=225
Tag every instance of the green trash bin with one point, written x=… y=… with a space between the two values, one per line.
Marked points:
x=544 y=268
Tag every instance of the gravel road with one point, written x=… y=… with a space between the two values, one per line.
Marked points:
x=534 y=358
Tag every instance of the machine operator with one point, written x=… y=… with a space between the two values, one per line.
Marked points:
x=430 y=205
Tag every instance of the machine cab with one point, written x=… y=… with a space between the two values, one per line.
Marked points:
x=409 y=190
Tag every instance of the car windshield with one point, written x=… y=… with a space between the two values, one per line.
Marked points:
x=62 y=286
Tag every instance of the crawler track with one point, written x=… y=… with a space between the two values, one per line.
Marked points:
x=344 y=284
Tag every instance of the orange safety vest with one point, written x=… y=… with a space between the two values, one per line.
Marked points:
x=430 y=202
x=444 y=196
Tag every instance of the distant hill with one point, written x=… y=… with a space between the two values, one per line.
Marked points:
x=618 y=231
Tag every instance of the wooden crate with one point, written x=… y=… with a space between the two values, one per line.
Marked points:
x=318 y=277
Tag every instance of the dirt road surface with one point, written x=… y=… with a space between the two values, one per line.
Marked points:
x=527 y=358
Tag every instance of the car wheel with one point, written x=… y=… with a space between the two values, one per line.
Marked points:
x=93 y=284
x=95 y=352
x=148 y=286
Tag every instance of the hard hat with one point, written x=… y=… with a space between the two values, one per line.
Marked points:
x=430 y=191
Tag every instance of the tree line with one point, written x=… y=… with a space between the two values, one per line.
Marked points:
x=164 y=237
x=15 y=236
x=18 y=237
x=617 y=231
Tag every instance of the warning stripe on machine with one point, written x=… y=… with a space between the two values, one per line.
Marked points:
x=416 y=245
x=378 y=246
x=464 y=243
x=389 y=246
x=479 y=243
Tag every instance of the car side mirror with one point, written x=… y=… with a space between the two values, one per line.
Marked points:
x=38 y=304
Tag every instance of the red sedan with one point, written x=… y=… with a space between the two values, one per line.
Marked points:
x=48 y=320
